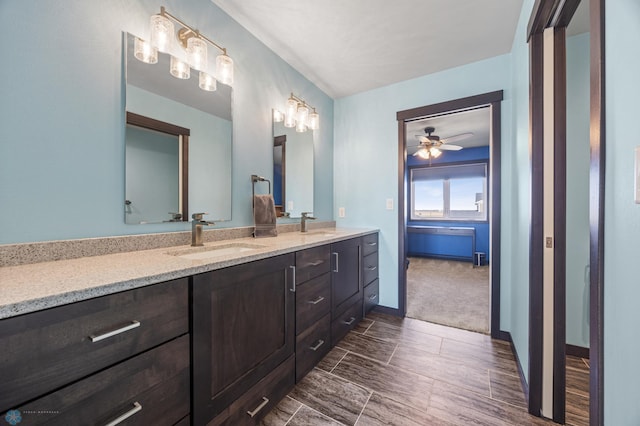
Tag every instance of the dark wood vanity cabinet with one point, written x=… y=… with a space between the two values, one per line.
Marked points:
x=370 y=272
x=90 y=362
x=243 y=331
x=346 y=287
x=313 y=307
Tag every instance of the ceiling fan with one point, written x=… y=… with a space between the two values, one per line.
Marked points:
x=431 y=146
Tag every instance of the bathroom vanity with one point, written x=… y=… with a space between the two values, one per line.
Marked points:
x=215 y=340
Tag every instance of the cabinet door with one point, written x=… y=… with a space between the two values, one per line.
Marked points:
x=243 y=328
x=346 y=281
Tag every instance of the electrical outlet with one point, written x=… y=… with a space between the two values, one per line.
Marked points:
x=389 y=203
x=549 y=242
x=341 y=212
x=290 y=205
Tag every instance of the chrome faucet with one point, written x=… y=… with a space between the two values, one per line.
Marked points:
x=303 y=221
x=196 y=228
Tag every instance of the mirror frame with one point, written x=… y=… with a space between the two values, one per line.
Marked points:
x=171 y=129
x=282 y=142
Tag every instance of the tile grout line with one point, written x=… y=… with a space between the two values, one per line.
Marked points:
x=363 y=407
x=489 y=380
x=339 y=361
x=393 y=353
x=295 y=412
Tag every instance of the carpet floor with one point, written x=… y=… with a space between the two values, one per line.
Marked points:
x=448 y=292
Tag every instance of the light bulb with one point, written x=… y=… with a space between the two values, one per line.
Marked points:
x=290 y=113
x=179 y=69
x=435 y=152
x=143 y=51
x=301 y=117
x=278 y=116
x=197 y=53
x=301 y=126
x=224 y=69
x=314 y=120
x=424 y=153
x=207 y=82
x=162 y=33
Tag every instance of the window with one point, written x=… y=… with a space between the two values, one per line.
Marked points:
x=457 y=192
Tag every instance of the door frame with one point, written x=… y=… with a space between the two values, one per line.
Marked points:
x=493 y=101
x=557 y=14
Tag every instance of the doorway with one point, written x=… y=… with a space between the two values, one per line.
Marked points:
x=491 y=101
x=448 y=158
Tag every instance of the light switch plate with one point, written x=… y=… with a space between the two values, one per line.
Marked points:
x=341 y=212
x=389 y=203
x=637 y=176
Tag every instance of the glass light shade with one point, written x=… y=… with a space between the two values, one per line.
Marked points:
x=278 y=116
x=224 y=69
x=179 y=69
x=207 y=82
x=197 y=53
x=162 y=33
x=290 y=113
x=301 y=126
x=314 y=120
x=144 y=52
x=424 y=153
x=302 y=115
x=435 y=152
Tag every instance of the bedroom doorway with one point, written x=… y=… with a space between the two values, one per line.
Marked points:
x=421 y=120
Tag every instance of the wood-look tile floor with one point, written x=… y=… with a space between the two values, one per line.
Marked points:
x=577 y=412
x=393 y=371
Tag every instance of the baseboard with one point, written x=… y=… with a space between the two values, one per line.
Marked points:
x=579 y=351
x=506 y=336
x=387 y=310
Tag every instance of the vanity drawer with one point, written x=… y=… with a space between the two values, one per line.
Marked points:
x=311 y=263
x=153 y=388
x=346 y=322
x=369 y=244
x=312 y=345
x=259 y=399
x=313 y=300
x=371 y=296
x=45 y=350
x=370 y=268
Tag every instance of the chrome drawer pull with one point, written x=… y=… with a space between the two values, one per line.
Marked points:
x=373 y=296
x=264 y=402
x=316 y=263
x=134 y=324
x=318 y=300
x=121 y=418
x=372 y=268
x=317 y=345
x=372 y=244
x=293 y=286
x=337 y=255
x=351 y=320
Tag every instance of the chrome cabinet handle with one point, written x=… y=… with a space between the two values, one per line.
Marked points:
x=372 y=244
x=337 y=257
x=318 y=300
x=293 y=286
x=121 y=418
x=316 y=263
x=317 y=345
x=131 y=326
x=264 y=402
x=373 y=296
x=351 y=320
x=372 y=268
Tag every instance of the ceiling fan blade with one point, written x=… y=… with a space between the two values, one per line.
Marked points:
x=456 y=138
x=423 y=138
x=449 y=147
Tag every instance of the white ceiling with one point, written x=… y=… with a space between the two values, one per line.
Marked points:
x=350 y=46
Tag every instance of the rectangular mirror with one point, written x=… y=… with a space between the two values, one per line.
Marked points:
x=170 y=174
x=292 y=170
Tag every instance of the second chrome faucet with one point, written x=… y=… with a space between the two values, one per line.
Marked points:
x=196 y=228
x=303 y=221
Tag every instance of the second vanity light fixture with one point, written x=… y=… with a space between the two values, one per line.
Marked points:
x=297 y=114
x=195 y=44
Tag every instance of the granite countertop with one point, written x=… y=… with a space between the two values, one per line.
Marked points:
x=37 y=286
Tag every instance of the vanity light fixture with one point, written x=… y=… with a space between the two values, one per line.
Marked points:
x=162 y=39
x=297 y=115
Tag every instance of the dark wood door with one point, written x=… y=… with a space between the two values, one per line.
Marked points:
x=346 y=281
x=243 y=328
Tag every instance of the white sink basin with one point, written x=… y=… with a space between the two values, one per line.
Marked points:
x=200 y=253
x=321 y=233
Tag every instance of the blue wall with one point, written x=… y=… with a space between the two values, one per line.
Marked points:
x=62 y=112
x=449 y=246
x=622 y=216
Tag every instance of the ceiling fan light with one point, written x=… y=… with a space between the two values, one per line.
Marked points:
x=424 y=153
x=435 y=152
